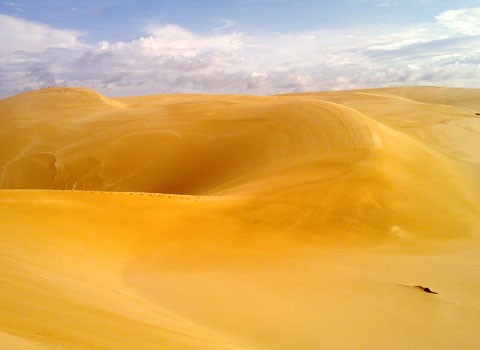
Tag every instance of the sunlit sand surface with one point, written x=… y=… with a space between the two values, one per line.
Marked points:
x=332 y=220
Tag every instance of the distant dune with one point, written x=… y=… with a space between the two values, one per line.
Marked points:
x=329 y=220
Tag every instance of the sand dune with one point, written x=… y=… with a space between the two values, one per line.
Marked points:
x=301 y=221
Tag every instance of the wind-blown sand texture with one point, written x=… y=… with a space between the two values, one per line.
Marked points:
x=305 y=221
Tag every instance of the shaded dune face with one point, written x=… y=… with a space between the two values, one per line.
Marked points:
x=332 y=166
x=189 y=147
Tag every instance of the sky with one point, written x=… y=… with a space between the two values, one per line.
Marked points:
x=127 y=47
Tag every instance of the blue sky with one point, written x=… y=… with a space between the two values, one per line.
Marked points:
x=237 y=46
x=126 y=19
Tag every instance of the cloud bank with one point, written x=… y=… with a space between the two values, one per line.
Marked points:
x=172 y=59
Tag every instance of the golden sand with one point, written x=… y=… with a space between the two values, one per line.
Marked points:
x=333 y=220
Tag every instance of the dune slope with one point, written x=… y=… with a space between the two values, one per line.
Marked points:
x=303 y=221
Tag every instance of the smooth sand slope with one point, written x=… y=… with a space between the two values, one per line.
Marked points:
x=334 y=220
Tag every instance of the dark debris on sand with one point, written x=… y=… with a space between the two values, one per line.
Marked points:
x=426 y=289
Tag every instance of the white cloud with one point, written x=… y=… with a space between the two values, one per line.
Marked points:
x=19 y=34
x=177 y=41
x=226 y=24
x=172 y=59
x=466 y=21
x=386 y=3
